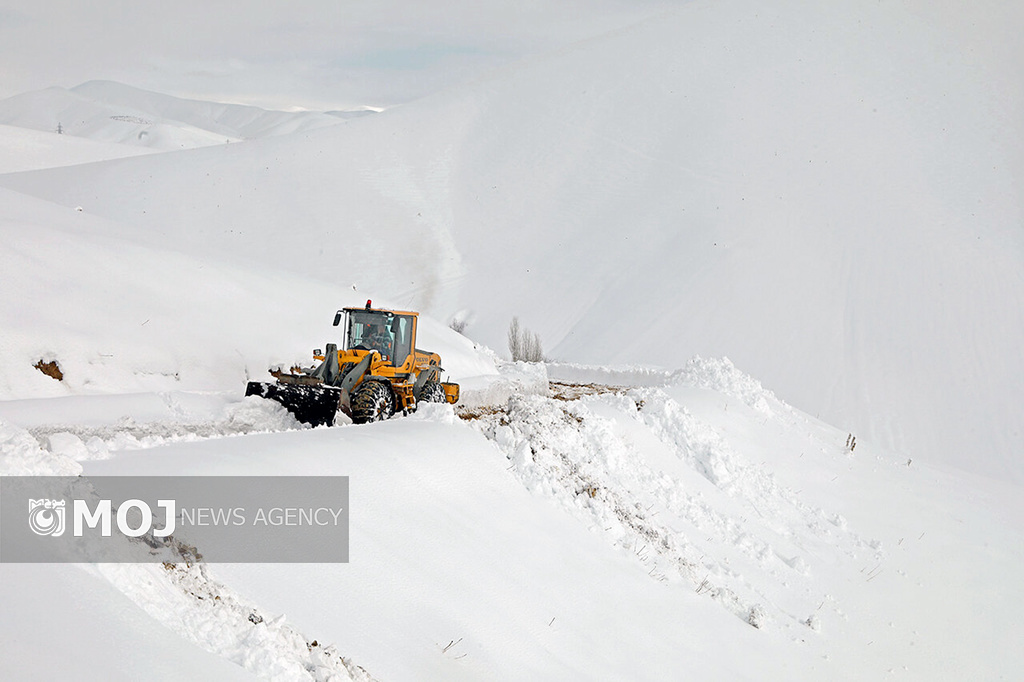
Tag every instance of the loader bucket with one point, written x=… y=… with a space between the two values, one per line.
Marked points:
x=315 y=405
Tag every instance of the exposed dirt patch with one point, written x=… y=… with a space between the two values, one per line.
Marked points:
x=50 y=369
x=558 y=390
x=473 y=413
x=569 y=392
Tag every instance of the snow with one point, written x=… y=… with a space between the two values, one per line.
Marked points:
x=159 y=305
x=836 y=189
x=523 y=535
x=775 y=256
x=115 y=113
x=427 y=511
x=63 y=622
x=24 y=149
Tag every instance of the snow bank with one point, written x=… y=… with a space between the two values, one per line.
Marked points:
x=180 y=596
x=512 y=378
x=715 y=374
x=586 y=455
x=91 y=631
x=456 y=570
x=580 y=535
x=21 y=455
x=185 y=599
x=623 y=375
x=719 y=374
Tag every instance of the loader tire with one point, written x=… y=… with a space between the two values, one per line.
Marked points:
x=371 y=402
x=432 y=393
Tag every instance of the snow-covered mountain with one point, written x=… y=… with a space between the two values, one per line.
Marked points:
x=825 y=201
x=112 y=112
x=830 y=196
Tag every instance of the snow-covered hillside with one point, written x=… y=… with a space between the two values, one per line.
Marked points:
x=818 y=193
x=113 y=112
x=119 y=316
x=24 y=149
x=827 y=195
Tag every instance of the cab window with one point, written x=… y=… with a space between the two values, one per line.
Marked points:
x=401 y=327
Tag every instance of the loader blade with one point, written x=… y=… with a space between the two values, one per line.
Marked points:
x=313 y=405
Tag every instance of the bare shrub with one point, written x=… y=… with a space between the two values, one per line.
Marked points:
x=523 y=344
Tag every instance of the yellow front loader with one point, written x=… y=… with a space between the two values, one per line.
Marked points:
x=377 y=372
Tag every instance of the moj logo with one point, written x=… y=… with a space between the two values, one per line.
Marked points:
x=160 y=519
x=46 y=517
x=134 y=518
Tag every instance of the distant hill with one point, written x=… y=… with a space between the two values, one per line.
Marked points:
x=113 y=112
x=23 y=149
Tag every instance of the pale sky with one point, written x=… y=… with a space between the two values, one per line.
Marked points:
x=321 y=54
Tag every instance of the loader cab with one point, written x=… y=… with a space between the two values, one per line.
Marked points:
x=392 y=334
